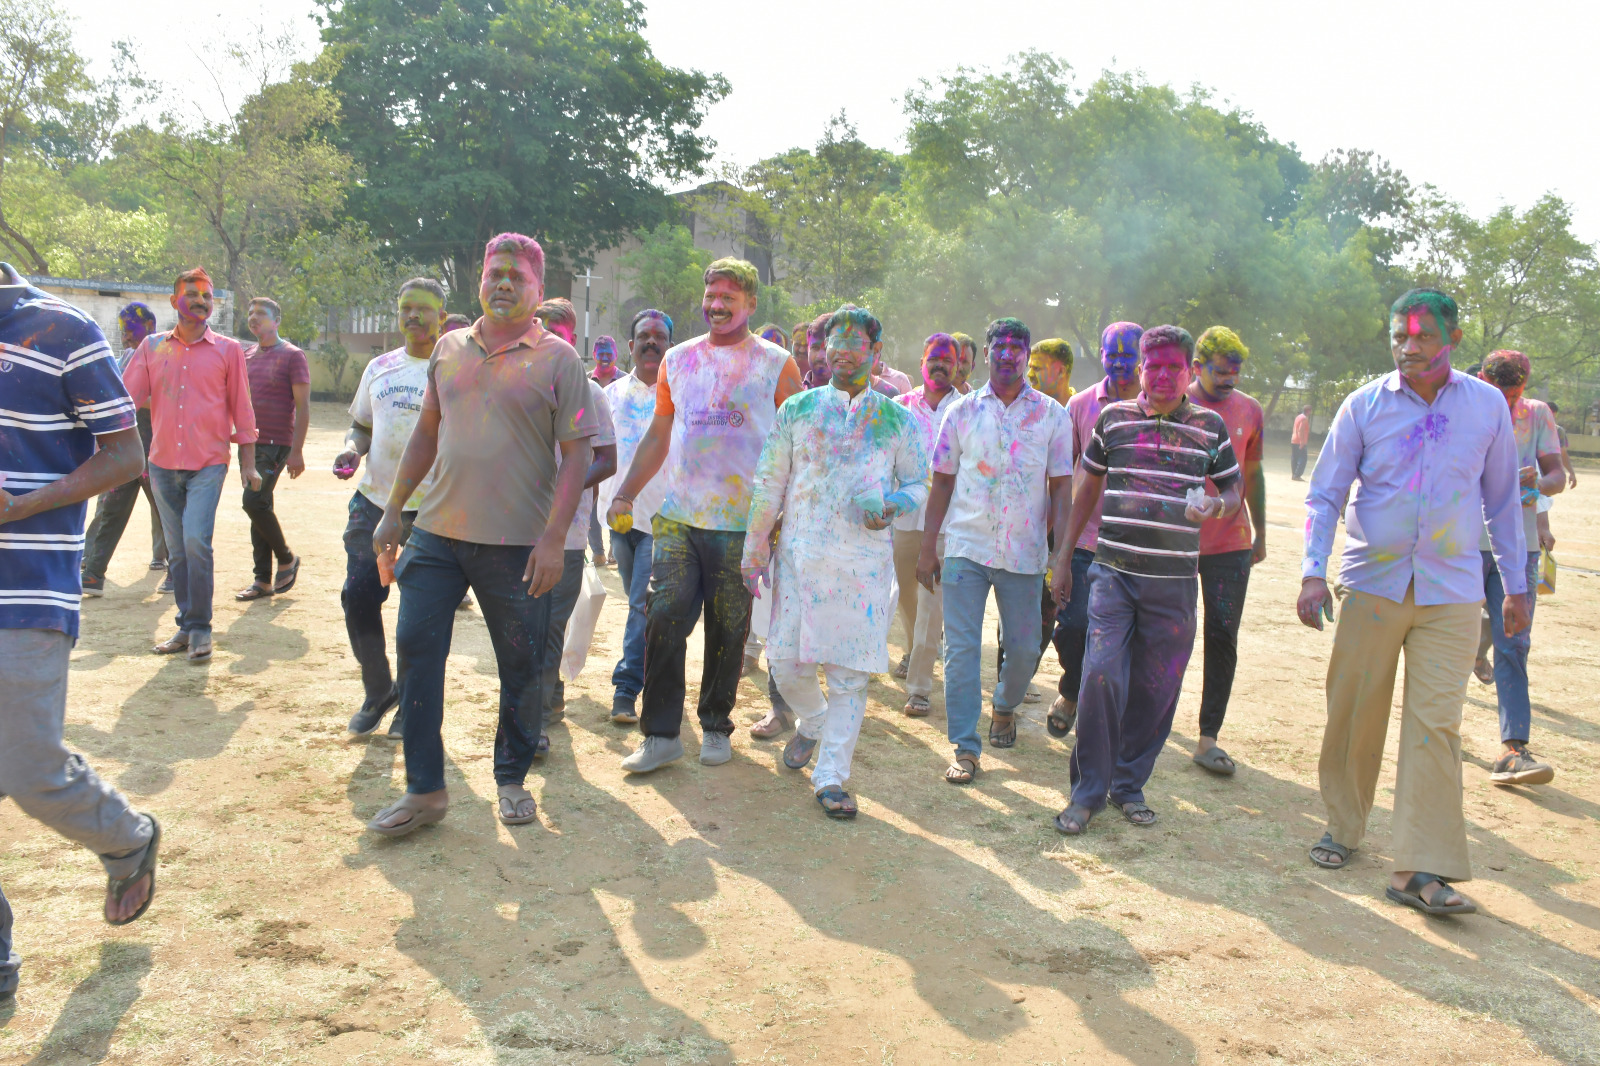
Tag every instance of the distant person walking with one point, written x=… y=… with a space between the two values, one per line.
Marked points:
x=68 y=434
x=503 y=397
x=280 y=393
x=1435 y=455
x=716 y=399
x=198 y=389
x=113 y=509
x=384 y=411
x=1299 y=441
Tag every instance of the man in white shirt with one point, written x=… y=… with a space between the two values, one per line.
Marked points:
x=840 y=463
x=1002 y=472
x=382 y=415
x=633 y=407
x=921 y=609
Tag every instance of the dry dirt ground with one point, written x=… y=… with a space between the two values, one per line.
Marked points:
x=714 y=915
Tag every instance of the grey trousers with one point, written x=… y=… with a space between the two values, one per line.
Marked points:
x=46 y=780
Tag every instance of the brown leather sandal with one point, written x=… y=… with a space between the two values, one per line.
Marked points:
x=962 y=769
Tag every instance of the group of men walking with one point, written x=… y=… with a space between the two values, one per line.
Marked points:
x=1100 y=521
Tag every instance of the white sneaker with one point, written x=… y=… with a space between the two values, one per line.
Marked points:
x=653 y=754
x=715 y=749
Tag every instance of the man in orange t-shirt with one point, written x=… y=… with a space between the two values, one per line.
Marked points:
x=717 y=396
x=1299 y=439
x=1227 y=548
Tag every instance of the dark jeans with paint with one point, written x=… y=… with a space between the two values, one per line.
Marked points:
x=1141 y=631
x=693 y=568
x=1297 y=460
x=1072 y=627
x=1511 y=653
x=563 y=598
x=434 y=573
x=266 y=535
x=364 y=595
x=1224 y=577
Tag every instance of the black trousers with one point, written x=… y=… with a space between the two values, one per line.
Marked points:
x=1297 y=460
x=266 y=535
x=112 y=511
x=1224 y=577
x=693 y=568
x=364 y=594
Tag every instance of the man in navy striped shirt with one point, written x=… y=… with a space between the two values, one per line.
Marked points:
x=67 y=433
x=1147 y=462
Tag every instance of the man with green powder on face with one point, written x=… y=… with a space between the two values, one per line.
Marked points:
x=1227 y=549
x=840 y=463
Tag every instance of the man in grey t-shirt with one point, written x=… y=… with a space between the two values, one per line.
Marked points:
x=501 y=398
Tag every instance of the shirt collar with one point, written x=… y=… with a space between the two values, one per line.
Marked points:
x=1394 y=381
x=1176 y=413
x=921 y=393
x=988 y=390
x=207 y=337
x=530 y=338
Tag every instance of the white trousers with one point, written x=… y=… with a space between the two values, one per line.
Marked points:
x=835 y=720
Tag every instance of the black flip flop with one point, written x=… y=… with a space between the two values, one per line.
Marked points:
x=1327 y=843
x=836 y=794
x=1073 y=815
x=1215 y=760
x=285 y=584
x=1002 y=729
x=1052 y=719
x=1411 y=895
x=119 y=887
x=254 y=592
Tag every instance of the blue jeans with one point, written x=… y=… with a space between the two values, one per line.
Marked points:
x=187 y=500
x=1510 y=653
x=434 y=573
x=633 y=551
x=966 y=586
x=563 y=598
x=1141 y=632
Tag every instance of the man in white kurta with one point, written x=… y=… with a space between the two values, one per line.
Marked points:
x=840 y=463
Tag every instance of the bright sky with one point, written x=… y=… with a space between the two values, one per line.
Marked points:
x=1473 y=97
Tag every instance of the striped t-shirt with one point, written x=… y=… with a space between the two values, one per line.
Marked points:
x=1150 y=462
x=59 y=389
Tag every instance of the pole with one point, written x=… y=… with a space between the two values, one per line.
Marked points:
x=588 y=276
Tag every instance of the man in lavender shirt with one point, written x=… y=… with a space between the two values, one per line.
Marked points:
x=1436 y=458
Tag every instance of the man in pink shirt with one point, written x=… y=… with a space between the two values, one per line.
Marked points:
x=198 y=391
x=1227 y=547
x=1299 y=439
x=1119 y=355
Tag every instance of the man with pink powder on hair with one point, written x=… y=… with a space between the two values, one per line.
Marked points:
x=502 y=398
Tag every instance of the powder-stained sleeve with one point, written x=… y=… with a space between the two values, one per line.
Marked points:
x=1094 y=453
x=1330 y=486
x=95 y=392
x=1059 y=457
x=663 y=394
x=1546 y=437
x=1224 y=468
x=910 y=469
x=1254 y=440
x=605 y=429
x=789 y=383
x=136 y=377
x=947 y=451
x=575 y=414
x=361 y=404
x=240 y=409
x=1501 y=486
x=768 y=490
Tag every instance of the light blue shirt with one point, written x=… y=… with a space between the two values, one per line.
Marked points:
x=1430 y=476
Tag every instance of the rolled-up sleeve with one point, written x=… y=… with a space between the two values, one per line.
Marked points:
x=1336 y=469
x=136 y=378
x=1502 y=505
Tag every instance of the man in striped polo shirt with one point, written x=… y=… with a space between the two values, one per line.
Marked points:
x=1147 y=462
x=66 y=433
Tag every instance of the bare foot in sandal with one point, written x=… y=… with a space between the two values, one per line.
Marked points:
x=517 y=806
x=962 y=769
x=411 y=812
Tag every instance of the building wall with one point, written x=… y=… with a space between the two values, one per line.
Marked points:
x=101 y=300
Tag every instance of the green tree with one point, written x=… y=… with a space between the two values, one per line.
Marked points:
x=668 y=272
x=476 y=116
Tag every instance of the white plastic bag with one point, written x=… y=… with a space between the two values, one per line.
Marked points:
x=581 y=626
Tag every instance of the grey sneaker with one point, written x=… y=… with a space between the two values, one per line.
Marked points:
x=1519 y=766
x=653 y=754
x=93 y=587
x=715 y=749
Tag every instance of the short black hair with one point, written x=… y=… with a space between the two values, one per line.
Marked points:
x=1440 y=304
x=1007 y=327
x=650 y=312
x=860 y=317
x=427 y=285
x=1167 y=337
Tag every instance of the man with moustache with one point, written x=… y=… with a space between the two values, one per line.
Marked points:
x=502 y=398
x=716 y=399
x=197 y=387
x=968 y=349
x=840 y=463
x=1002 y=476
x=1436 y=457
x=1145 y=467
x=1119 y=357
x=1227 y=548
x=922 y=609
x=383 y=413
x=633 y=407
x=605 y=361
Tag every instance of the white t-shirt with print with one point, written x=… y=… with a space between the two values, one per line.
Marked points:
x=633 y=408
x=389 y=401
x=578 y=532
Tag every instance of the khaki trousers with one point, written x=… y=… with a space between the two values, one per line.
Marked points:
x=1440 y=643
x=921 y=612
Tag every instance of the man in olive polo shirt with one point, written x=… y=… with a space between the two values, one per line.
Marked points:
x=501 y=398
